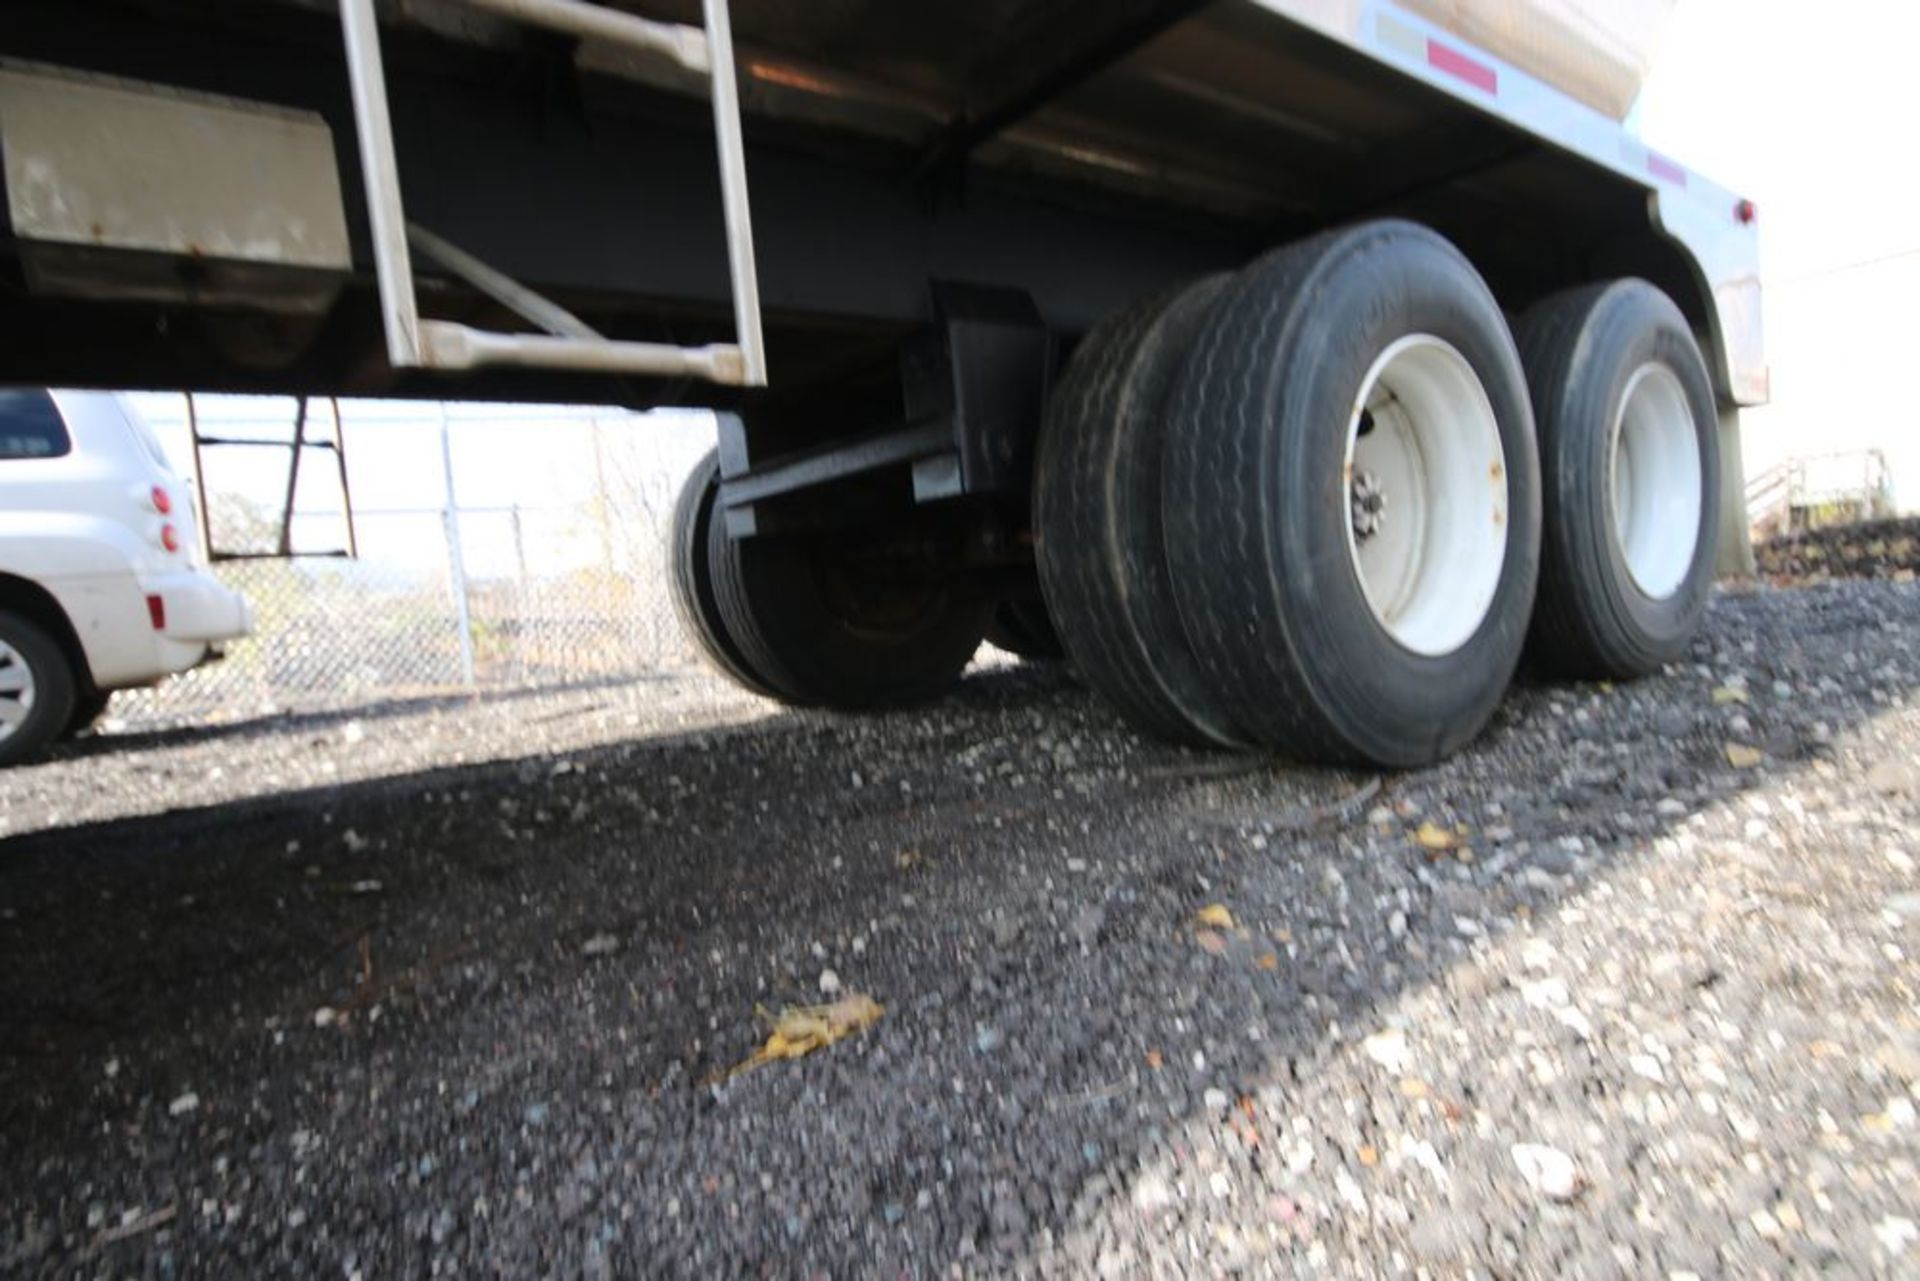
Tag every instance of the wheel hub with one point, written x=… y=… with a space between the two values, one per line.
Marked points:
x=16 y=690
x=1369 y=503
x=1423 y=432
x=1655 y=477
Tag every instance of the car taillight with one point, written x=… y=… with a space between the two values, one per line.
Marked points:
x=157 y=611
x=162 y=501
x=170 y=537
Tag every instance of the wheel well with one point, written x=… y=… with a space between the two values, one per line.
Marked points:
x=35 y=603
x=1543 y=247
x=1668 y=267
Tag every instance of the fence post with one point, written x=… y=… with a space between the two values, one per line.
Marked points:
x=519 y=549
x=602 y=501
x=456 y=561
x=523 y=599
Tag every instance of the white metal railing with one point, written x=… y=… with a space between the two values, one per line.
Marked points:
x=1769 y=495
x=1858 y=480
x=413 y=343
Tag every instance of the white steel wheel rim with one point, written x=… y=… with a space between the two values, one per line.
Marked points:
x=1653 y=481
x=16 y=690
x=1426 y=479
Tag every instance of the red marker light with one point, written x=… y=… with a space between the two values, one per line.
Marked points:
x=157 y=612
x=162 y=501
x=1744 y=213
x=170 y=538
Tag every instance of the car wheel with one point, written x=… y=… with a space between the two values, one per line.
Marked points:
x=36 y=689
x=89 y=705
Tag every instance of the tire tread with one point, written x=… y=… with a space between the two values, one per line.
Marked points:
x=1099 y=527
x=690 y=578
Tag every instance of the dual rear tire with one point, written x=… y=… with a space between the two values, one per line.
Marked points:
x=815 y=620
x=1630 y=449
x=1322 y=507
x=1303 y=509
x=1022 y=627
x=1097 y=521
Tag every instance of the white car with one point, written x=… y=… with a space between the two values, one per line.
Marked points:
x=102 y=585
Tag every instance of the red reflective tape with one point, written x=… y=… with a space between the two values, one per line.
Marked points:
x=157 y=612
x=1454 y=63
x=1665 y=170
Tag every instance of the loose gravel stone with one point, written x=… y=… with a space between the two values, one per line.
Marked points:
x=1548 y=1171
x=1686 y=994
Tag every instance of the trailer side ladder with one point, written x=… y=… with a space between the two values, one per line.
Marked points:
x=413 y=343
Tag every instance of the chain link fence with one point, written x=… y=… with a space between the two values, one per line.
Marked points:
x=499 y=547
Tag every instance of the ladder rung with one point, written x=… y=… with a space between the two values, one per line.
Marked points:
x=684 y=44
x=270 y=444
x=446 y=345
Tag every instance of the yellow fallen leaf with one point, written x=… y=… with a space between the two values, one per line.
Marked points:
x=1216 y=915
x=1740 y=756
x=1267 y=960
x=802 y=1029
x=1413 y=1087
x=1154 y=1060
x=1729 y=694
x=1369 y=1155
x=1431 y=836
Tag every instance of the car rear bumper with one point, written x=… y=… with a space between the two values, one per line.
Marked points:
x=197 y=609
x=135 y=629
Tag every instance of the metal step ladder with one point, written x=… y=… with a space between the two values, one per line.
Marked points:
x=296 y=446
x=413 y=343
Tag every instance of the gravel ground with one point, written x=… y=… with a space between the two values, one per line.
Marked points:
x=444 y=989
x=1870 y=549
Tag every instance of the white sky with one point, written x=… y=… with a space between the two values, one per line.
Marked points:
x=1809 y=108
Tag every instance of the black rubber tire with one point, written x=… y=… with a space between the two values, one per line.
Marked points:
x=1024 y=629
x=778 y=605
x=89 y=705
x=690 y=577
x=1097 y=520
x=53 y=687
x=1258 y=513
x=1580 y=348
